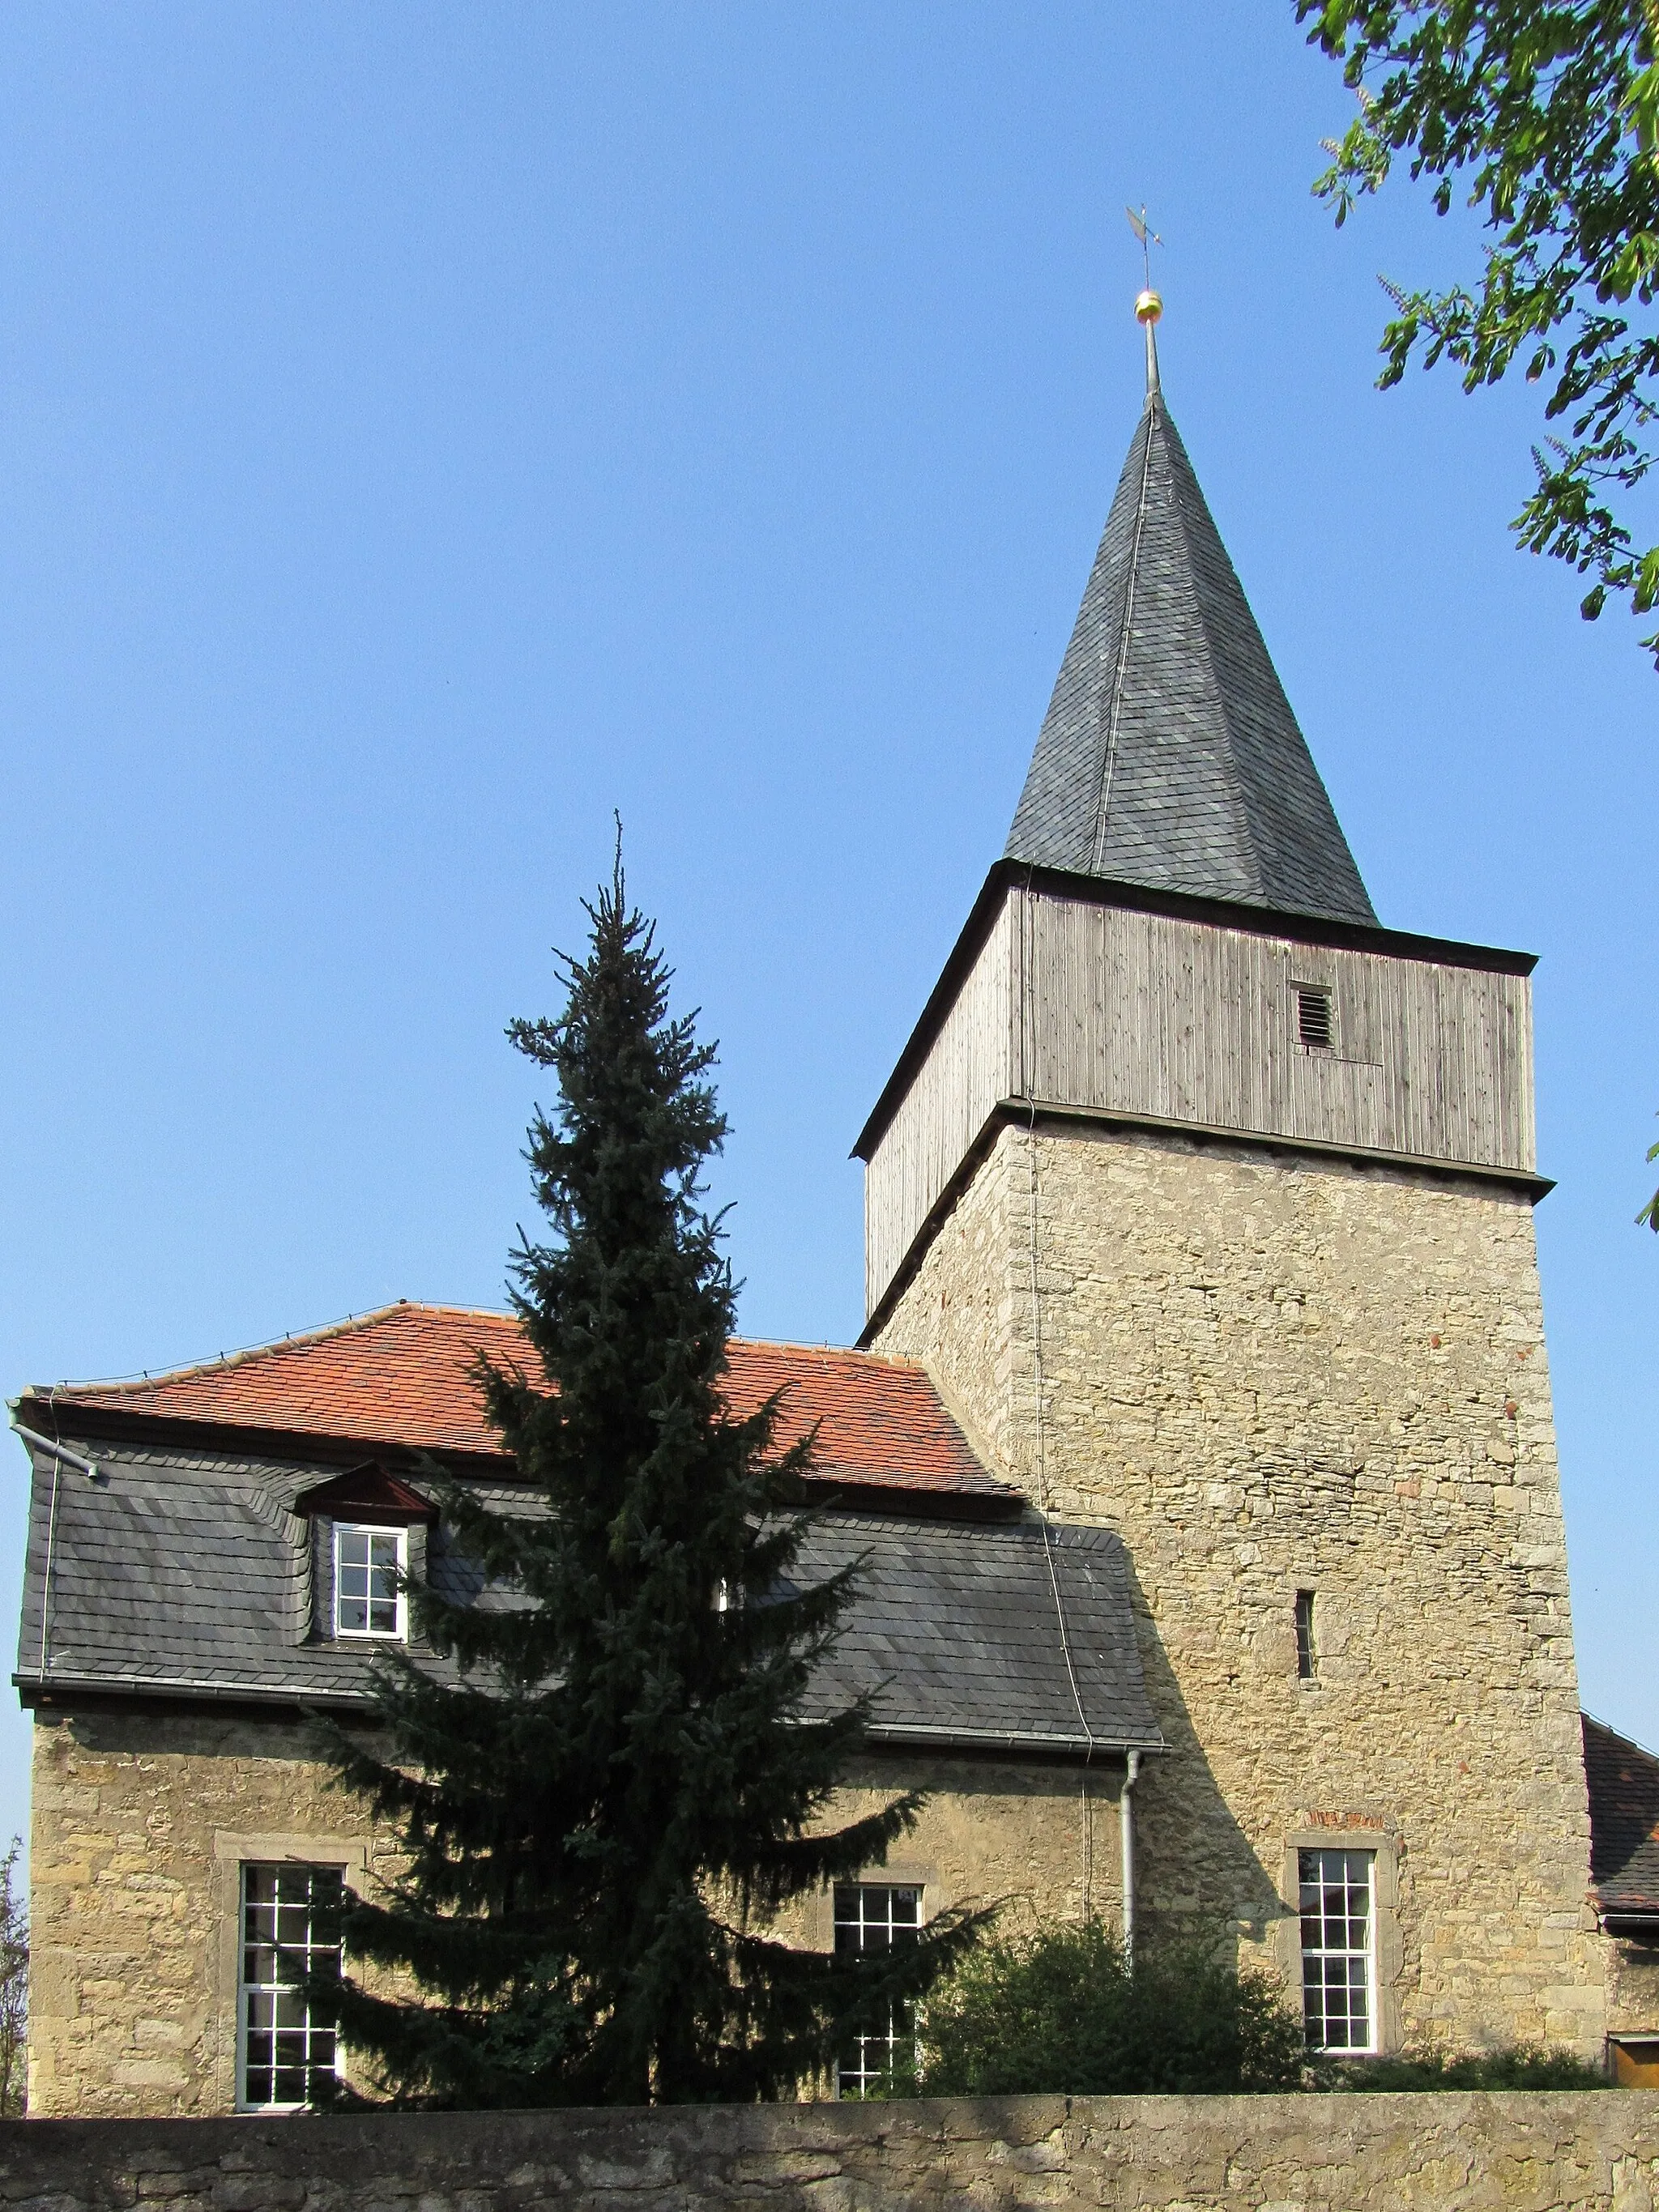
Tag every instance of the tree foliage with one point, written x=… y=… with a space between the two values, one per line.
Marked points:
x=605 y=1801
x=1059 y=2013
x=1649 y=1213
x=14 y=1988
x=1546 y=114
x=1514 y=2066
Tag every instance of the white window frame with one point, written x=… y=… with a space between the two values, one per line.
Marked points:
x=1363 y=1956
x=399 y=1538
x=900 y=2033
x=247 y=1989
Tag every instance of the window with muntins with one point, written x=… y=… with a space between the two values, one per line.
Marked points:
x=1339 y=1949
x=874 y=1917
x=286 y=2044
x=369 y=1565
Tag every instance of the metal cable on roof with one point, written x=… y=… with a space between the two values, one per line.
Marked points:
x=51 y=1541
x=1109 y=764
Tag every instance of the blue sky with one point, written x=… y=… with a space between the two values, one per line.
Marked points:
x=423 y=430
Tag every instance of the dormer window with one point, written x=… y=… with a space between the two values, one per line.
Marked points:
x=369 y=1565
x=367 y=1547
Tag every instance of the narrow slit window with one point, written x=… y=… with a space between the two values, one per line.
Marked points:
x=1313 y=1018
x=1307 y=1655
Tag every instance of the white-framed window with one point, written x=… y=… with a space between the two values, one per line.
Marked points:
x=1339 y=1949
x=286 y=2043
x=874 y=1916
x=369 y=1565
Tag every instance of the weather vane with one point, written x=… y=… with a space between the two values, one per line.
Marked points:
x=1148 y=237
x=1149 y=306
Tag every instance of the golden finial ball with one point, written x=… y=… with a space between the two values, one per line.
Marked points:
x=1148 y=307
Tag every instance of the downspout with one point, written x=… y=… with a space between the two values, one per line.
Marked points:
x=59 y=1453
x=1126 y=1820
x=88 y=1467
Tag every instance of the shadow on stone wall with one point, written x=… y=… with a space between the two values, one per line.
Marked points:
x=1575 y=2152
x=1197 y=1871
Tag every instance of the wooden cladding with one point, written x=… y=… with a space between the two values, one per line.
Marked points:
x=1104 y=1009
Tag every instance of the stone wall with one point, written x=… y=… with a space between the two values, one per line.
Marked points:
x=1274 y=1374
x=142 y=1821
x=1525 y=2153
x=1633 y=1987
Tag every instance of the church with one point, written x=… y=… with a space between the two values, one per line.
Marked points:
x=1198 y=1445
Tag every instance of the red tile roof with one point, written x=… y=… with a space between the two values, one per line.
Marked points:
x=400 y=1378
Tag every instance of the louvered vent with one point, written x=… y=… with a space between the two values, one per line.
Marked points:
x=1313 y=1018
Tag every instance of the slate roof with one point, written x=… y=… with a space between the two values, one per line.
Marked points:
x=1623 y=1807
x=400 y=1379
x=186 y=1574
x=963 y=1623
x=1168 y=756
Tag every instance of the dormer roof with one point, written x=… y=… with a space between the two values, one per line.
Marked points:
x=1169 y=757
x=366 y=1493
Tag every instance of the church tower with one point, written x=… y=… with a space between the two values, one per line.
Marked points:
x=1207 y=1202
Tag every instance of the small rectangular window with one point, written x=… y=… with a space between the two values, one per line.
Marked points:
x=288 y=2045
x=1307 y=1658
x=1313 y=1018
x=368 y=1567
x=874 y=1917
x=1339 y=1969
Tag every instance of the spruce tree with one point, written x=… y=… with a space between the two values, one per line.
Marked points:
x=609 y=1792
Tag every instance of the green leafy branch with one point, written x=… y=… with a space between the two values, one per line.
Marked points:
x=1549 y=116
x=1649 y=1213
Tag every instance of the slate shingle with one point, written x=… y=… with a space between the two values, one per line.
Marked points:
x=174 y=1571
x=1170 y=757
x=1623 y=1807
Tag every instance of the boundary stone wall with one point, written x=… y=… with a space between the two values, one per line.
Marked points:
x=1522 y=2151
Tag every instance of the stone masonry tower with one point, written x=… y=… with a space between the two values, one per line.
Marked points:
x=1207 y=1201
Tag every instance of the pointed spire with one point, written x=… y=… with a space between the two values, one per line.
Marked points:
x=1168 y=756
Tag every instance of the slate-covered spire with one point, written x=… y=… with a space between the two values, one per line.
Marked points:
x=1169 y=756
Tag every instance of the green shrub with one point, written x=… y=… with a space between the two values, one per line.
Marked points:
x=1059 y=2012
x=1520 y=2066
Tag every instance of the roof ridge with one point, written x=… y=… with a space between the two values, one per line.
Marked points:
x=298 y=1340
x=1150 y=416
x=1206 y=613
x=293 y=1341
x=851 y=1352
x=1607 y=1727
